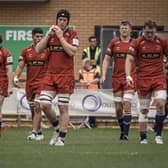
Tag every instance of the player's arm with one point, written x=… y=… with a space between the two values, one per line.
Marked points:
x=70 y=49
x=44 y=42
x=9 y=63
x=128 y=67
x=9 y=76
x=105 y=67
x=18 y=72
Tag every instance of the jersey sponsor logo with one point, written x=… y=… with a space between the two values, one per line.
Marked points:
x=150 y=55
x=57 y=48
x=36 y=63
x=121 y=55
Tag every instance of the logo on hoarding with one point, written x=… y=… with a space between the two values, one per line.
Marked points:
x=91 y=103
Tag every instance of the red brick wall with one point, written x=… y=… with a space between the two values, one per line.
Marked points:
x=85 y=14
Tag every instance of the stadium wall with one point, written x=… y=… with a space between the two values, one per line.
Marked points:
x=85 y=15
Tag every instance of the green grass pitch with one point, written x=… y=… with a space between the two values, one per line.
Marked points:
x=84 y=148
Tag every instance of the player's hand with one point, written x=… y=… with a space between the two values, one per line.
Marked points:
x=51 y=31
x=102 y=79
x=129 y=81
x=58 y=32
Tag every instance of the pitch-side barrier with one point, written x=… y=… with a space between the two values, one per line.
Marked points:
x=83 y=103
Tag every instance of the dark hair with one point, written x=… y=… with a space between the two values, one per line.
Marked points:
x=151 y=24
x=1 y=40
x=63 y=13
x=125 y=22
x=92 y=37
x=37 y=30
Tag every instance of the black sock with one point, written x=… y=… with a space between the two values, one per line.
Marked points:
x=55 y=123
x=126 y=124
x=120 y=122
x=159 y=124
x=62 y=134
x=143 y=135
x=57 y=130
x=39 y=132
x=34 y=132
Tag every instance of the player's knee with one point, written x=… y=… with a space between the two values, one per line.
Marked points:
x=128 y=97
x=118 y=106
x=144 y=108
x=127 y=107
x=160 y=97
x=119 y=113
x=144 y=105
x=45 y=106
x=160 y=106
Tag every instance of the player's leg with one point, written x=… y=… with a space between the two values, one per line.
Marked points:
x=166 y=103
x=65 y=87
x=4 y=93
x=127 y=100
x=1 y=103
x=33 y=134
x=36 y=122
x=63 y=101
x=38 y=116
x=143 y=118
x=118 y=101
x=166 y=108
x=119 y=112
x=35 y=111
x=160 y=97
x=144 y=93
x=46 y=98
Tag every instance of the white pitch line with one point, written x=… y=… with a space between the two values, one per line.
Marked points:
x=100 y=153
